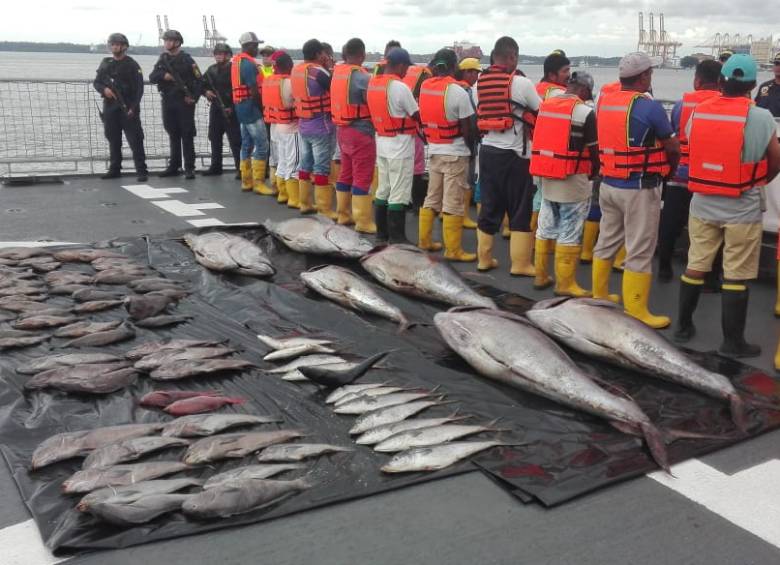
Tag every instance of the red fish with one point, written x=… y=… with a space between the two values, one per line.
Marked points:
x=162 y=398
x=200 y=404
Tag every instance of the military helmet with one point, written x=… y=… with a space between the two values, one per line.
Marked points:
x=118 y=38
x=222 y=48
x=248 y=37
x=172 y=34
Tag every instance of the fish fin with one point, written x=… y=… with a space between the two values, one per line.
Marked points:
x=550 y=302
x=611 y=388
x=655 y=444
x=671 y=435
x=235 y=400
x=317 y=268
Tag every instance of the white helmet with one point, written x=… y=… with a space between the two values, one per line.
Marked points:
x=249 y=37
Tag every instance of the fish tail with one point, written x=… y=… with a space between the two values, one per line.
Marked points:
x=656 y=445
x=236 y=400
x=738 y=415
x=404 y=324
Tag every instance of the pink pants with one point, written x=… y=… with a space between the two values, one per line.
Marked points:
x=358 y=158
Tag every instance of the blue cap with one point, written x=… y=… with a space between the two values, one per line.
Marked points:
x=398 y=56
x=739 y=67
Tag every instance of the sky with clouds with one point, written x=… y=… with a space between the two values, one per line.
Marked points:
x=581 y=27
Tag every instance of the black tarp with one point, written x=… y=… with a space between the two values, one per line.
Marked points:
x=567 y=453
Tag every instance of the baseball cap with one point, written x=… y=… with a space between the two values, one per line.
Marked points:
x=249 y=37
x=267 y=50
x=278 y=53
x=634 y=64
x=470 y=64
x=739 y=67
x=582 y=78
x=398 y=56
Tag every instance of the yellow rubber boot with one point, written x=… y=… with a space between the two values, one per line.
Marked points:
x=293 y=193
x=601 y=270
x=374 y=183
x=246 y=175
x=323 y=197
x=505 y=232
x=521 y=244
x=258 y=175
x=620 y=258
x=344 y=207
x=452 y=234
x=425 y=237
x=335 y=170
x=534 y=221
x=566 y=259
x=542 y=278
x=306 y=196
x=777 y=358
x=485 y=251
x=272 y=175
x=636 y=292
x=590 y=235
x=468 y=223
x=281 y=190
x=777 y=301
x=363 y=213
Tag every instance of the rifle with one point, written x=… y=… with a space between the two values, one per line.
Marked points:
x=220 y=102
x=176 y=78
x=118 y=94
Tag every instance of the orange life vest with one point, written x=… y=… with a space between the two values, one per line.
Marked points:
x=495 y=105
x=342 y=111
x=415 y=75
x=551 y=156
x=241 y=91
x=385 y=124
x=306 y=105
x=545 y=88
x=433 y=111
x=689 y=101
x=716 y=141
x=274 y=110
x=618 y=158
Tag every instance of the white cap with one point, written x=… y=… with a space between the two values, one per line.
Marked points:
x=249 y=37
x=634 y=64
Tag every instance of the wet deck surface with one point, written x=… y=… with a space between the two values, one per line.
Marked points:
x=713 y=513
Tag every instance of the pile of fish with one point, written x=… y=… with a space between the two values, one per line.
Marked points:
x=318 y=235
x=218 y=251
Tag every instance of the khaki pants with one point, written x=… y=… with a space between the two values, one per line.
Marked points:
x=741 y=249
x=629 y=216
x=394 y=180
x=447 y=183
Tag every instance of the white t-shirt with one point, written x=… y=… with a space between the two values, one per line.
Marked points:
x=524 y=93
x=401 y=104
x=289 y=102
x=457 y=107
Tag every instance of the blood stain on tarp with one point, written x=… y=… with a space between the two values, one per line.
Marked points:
x=762 y=384
x=587 y=457
x=528 y=470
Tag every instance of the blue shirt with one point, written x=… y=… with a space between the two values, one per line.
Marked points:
x=248 y=112
x=648 y=122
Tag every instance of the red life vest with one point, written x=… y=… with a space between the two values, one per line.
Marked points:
x=618 y=158
x=307 y=105
x=433 y=111
x=241 y=92
x=716 y=142
x=385 y=124
x=495 y=105
x=274 y=110
x=545 y=88
x=342 y=111
x=689 y=101
x=414 y=77
x=551 y=156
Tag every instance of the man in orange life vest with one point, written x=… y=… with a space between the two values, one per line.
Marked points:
x=379 y=68
x=557 y=69
x=565 y=157
x=395 y=115
x=506 y=104
x=733 y=153
x=677 y=197
x=638 y=151
x=445 y=113
x=355 y=135
x=415 y=75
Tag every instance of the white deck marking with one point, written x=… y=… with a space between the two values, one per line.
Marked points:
x=150 y=193
x=207 y=206
x=178 y=208
x=749 y=499
x=21 y=544
x=206 y=222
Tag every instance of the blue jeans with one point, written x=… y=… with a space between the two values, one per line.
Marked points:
x=316 y=153
x=254 y=134
x=562 y=221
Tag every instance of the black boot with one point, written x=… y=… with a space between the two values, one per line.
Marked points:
x=142 y=176
x=689 y=299
x=189 y=174
x=734 y=305
x=419 y=191
x=111 y=174
x=665 y=271
x=212 y=172
x=170 y=172
x=396 y=223
x=380 y=218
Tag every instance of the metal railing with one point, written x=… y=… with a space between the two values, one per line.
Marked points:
x=54 y=127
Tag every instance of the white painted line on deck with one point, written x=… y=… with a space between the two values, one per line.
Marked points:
x=178 y=208
x=35 y=243
x=21 y=544
x=206 y=222
x=207 y=206
x=749 y=499
x=150 y=193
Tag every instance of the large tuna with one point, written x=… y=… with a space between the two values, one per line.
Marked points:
x=220 y=251
x=318 y=235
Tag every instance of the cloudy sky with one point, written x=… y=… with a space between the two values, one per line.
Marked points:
x=594 y=27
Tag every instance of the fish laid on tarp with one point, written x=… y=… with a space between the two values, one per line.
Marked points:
x=427 y=437
x=364 y=404
x=235 y=445
x=391 y=415
x=290 y=342
x=331 y=375
x=146 y=305
x=67 y=445
x=345 y=390
x=307 y=361
x=47 y=267
x=297 y=351
x=105 y=263
x=17 y=342
x=17 y=291
x=199 y=425
x=107 y=337
x=222 y=252
x=91 y=294
x=96 y=378
x=53 y=311
x=185 y=369
x=85 y=255
x=602 y=330
x=22 y=253
x=66 y=289
x=299 y=451
x=151 y=284
x=88 y=480
x=346 y=288
x=240 y=496
x=150 y=347
x=262 y=471
x=319 y=235
x=154 y=360
x=409 y=270
x=64 y=360
x=80 y=329
x=436 y=457
x=140 y=511
x=201 y=404
x=130 y=450
x=488 y=341
x=162 y=398
x=175 y=294
x=162 y=320
x=41 y=322
x=95 y=306
x=118 y=276
x=381 y=433
x=371 y=393
x=68 y=277
x=30 y=261
x=26 y=304
x=131 y=493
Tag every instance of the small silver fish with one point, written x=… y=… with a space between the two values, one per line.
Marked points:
x=298 y=451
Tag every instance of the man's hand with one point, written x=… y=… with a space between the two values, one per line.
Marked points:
x=189 y=100
x=108 y=93
x=211 y=95
x=169 y=77
x=130 y=113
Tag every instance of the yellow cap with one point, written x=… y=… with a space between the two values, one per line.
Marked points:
x=470 y=64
